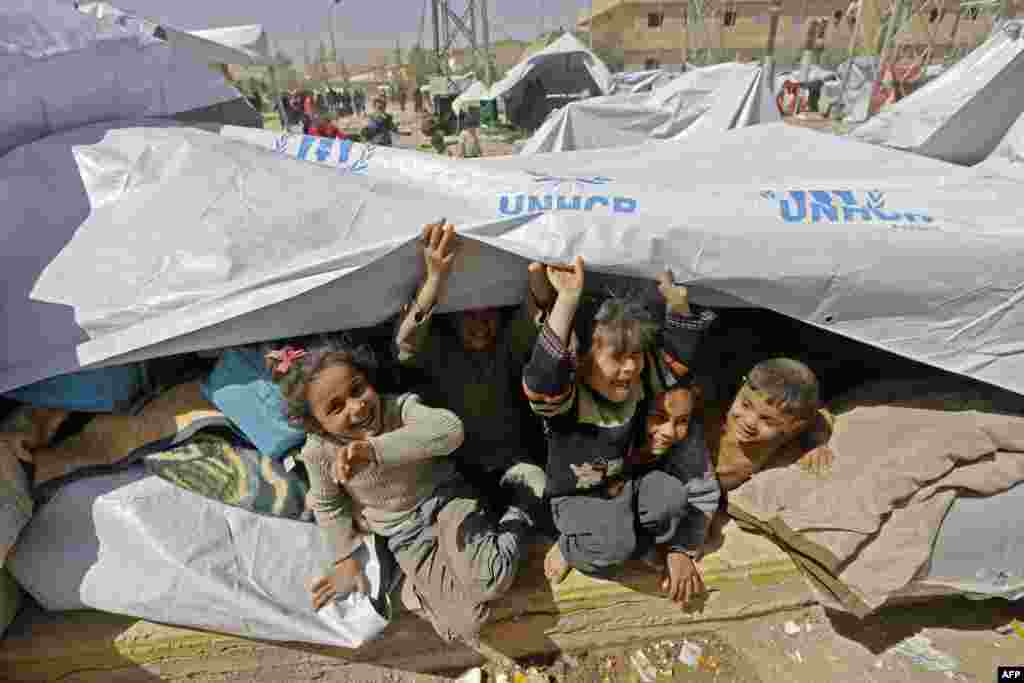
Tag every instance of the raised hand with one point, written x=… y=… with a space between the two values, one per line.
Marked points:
x=567 y=280
x=438 y=250
x=677 y=298
x=540 y=287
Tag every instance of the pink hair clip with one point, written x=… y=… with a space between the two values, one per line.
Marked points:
x=285 y=357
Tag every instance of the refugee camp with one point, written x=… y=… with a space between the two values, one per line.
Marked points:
x=567 y=341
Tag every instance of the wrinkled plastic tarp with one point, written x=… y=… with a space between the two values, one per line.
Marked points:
x=633 y=82
x=565 y=66
x=162 y=241
x=134 y=544
x=703 y=101
x=962 y=115
x=60 y=68
x=1008 y=156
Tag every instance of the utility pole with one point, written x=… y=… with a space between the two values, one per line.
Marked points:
x=330 y=20
x=434 y=11
x=485 y=27
x=773 y=26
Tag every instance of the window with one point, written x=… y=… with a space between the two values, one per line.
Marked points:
x=650 y=64
x=933 y=16
x=729 y=18
x=655 y=19
x=837 y=16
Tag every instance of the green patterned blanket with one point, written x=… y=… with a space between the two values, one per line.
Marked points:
x=216 y=466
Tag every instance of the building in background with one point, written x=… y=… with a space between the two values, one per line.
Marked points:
x=647 y=34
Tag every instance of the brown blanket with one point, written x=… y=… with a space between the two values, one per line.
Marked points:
x=865 y=530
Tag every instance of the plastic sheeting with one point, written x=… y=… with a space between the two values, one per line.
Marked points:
x=60 y=68
x=242 y=245
x=1008 y=156
x=634 y=82
x=709 y=100
x=962 y=115
x=134 y=544
x=565 y=66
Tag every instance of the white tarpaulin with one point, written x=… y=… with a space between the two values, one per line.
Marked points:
x=564 y=67
x=633 y=82
x=60 y=68
x=1008 y=156
x=132 y=543
x=961 y=115
x=702 y=101
x=164 y=240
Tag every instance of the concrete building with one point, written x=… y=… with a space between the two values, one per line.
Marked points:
x=654 y=33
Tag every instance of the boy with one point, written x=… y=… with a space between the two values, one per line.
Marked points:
x=776 y=419
x=606 y=506
x=381 y=125
x=476 y=373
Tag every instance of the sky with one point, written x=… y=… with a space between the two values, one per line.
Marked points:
x=359 y=24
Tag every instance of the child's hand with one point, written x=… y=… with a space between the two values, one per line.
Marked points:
x=676 y=296
x=353 y=459
x=682 y=580
x=540 y=287
x=348 y=576
x=438 y=250
x=565 y=280
x=817 y=461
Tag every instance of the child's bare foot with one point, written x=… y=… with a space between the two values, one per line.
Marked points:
x=555 y=566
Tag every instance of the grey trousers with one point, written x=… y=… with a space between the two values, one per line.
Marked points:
x=599 y=533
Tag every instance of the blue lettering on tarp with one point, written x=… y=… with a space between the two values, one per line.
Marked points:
x=344 y=149
x=570 y=203
x=556 y=200
x=624 y=205
x=597 y=199
x=323 y=149
x=537 y=205
x=304 y=147
x=839 y=206
x=503 y=205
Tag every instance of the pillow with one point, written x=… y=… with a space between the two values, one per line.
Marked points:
x=215 y=466
x=241 y=388
x=104 y=390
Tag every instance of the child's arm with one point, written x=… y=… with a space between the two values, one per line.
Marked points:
x=690 y=462
x=549 y=379
x=684 y=326
x=425 y=433
x=414 y=330
x=331 y=504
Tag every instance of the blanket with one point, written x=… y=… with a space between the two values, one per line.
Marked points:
x=225 y=469
x=866 y=529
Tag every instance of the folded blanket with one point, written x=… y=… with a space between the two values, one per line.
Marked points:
x=114 y=439
x=866 y=530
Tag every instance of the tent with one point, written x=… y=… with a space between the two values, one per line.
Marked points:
x=565 y=67
x=162 y=239
x=962 y=115
x=242 y=246
x=61 y=69
x=633 y=82
x=707 y=100
x=1008 y=156
x=470 y=96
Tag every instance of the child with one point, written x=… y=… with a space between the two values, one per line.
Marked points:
x=469 y=144
x=775 y=419
x=606 y=509
x=476 y=372
x=380 y=461
x=381 y=125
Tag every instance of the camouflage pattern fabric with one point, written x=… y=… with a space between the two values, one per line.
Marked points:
x=215 y=466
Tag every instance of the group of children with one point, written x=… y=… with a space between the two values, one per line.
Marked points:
x=574 y=416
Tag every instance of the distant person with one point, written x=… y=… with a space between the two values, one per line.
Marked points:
x=381 y=125
x=402 y=98
x=417 y=101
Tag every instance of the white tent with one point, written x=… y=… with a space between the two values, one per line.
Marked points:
x=1008 y=157
x=243 y=245
x=470 y=96
x=60 y=68
x=961 y=115
x=702 y=101
x=633 y=82
x=565 y=67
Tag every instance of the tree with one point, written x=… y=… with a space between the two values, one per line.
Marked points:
x=421 y=65
x=324 y=55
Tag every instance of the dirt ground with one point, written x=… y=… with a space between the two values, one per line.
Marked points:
x=945 y=640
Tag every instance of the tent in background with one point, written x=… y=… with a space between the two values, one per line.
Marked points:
x=565 y=67
x=962 y=115
x=62 y=69
x=706 y=100
x=469 y=97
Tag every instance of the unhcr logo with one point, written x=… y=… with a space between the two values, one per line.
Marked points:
x=327 y=151
x=561 y=193
x=839 y=206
